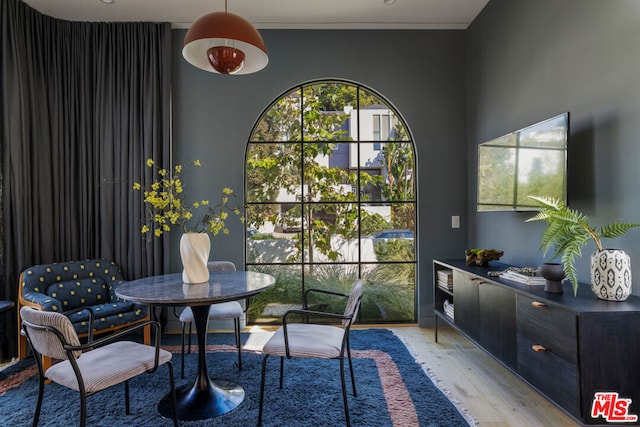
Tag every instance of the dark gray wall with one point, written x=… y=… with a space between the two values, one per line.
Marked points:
x=420 y=72
x=528 y=60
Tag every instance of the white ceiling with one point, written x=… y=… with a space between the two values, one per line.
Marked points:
x=279 y=14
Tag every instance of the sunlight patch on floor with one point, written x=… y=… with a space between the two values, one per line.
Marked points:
x=258 y=336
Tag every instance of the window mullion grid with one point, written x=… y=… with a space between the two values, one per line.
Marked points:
x=303 y=231
x=306 y=201
x=359 y=189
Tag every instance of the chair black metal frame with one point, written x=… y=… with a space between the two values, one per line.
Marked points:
x=90 y=345
x=347 y=321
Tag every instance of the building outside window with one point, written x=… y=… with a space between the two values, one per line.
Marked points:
x=381 y=125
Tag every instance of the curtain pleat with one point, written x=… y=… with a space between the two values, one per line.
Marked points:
x=83 y=105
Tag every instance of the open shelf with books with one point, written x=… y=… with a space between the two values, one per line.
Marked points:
x=443 y=298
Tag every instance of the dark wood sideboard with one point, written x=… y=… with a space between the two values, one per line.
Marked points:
x=568 y=348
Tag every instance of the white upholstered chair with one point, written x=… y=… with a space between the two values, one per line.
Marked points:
x=225 y=310
x=309 y=340
x=94 y=366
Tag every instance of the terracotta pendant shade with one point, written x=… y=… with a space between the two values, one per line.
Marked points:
x=225 y=43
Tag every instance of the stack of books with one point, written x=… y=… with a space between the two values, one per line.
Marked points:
x=445 y=279
x=527 y=275
x=448 y=309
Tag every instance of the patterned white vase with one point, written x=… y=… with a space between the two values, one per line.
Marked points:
x=194 y=252
x=611 y=274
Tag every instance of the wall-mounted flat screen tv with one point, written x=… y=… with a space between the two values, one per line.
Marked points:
x=529 y=162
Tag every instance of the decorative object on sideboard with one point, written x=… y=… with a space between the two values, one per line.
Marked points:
x=553 y=273
x=481 y=257
x=567 y=231
x=526 y=275
x=167 y=207
x=225 y=43
x=611 y=274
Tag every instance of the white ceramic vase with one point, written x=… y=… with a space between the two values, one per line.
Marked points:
x=194 y=252
x=611 y=274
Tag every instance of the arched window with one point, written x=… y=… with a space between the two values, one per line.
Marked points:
x=330 y=197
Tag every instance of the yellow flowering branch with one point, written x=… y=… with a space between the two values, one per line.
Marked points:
x=167 y=207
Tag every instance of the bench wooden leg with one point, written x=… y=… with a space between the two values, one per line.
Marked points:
x=22 y=340
x=146 y=331
x=46 y=364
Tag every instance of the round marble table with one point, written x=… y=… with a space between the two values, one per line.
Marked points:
x=205 y=398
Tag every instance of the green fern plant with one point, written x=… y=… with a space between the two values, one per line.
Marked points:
x=569 y=230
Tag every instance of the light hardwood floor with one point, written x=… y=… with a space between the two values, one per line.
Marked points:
x=492 y=394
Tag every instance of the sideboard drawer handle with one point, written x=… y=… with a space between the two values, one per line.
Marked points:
x=538 y=304
x=538 y=348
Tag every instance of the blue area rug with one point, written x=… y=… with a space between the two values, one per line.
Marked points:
x=393 y=390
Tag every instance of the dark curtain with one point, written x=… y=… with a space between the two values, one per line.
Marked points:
x=83 y=105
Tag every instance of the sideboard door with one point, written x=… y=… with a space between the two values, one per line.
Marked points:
x=610 y=358
x=465 y=289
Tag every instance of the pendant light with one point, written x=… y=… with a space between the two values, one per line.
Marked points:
x=225 y=43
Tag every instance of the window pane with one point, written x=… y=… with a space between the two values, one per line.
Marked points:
x=387 y=173
x=326 y=173
x=397 y=162
x=269 y=306
x=370 y=158
x=393 y=245
x=281 y=122
x=370 y=185
x=335 y=277
x=371 y=104
x=261 y=218
x=273 y=172
x=331 y=233
x=325 y=115
x=403 y=215
x=272 y=234
x=389 y=293
x=388 y=232
x=270 y=249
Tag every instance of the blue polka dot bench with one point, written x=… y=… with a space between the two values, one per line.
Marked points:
x=75 y=288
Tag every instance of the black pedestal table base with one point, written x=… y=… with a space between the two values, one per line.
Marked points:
x=194 y=403
x=205 y=398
